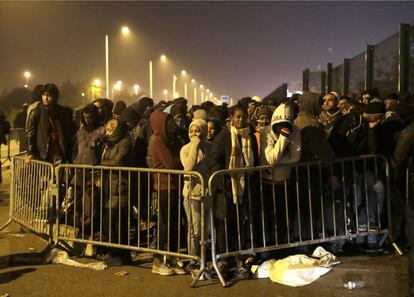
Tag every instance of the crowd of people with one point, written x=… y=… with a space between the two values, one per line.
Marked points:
x=206 y=138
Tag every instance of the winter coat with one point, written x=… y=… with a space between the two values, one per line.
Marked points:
x=277 y=149
x=38 y=127
x=314 y=144
x=309 y=110
x=165 y=152
x=87 y=145
x=218 y=158
x=117 y=152
x=354 y=129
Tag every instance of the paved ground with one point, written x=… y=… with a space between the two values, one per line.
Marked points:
x=384 y=275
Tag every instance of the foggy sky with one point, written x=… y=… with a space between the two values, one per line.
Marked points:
x=233 y=48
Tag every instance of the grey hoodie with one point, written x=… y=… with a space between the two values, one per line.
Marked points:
x=277 y=149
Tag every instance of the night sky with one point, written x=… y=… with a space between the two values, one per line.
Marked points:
x=233 y=48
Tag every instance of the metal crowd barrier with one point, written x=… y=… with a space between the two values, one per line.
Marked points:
x=321 y=202
x=114 y=207
x=30 y=195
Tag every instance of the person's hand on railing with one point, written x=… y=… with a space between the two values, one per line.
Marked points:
x=27 y=159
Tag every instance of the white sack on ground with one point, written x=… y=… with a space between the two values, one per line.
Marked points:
x=298 y=270
x=57 y=256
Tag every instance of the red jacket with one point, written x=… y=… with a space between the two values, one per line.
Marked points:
x=164 y=152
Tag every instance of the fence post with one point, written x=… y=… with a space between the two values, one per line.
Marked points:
x=305 y=83
x=404 y=59
x=345 y=77
x=323 y=83
x=369 y=66
x=284 y=90
x=329 y=78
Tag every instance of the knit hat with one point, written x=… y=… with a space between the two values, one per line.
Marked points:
x=257 y=99
x=200 y=114
x=336 y=95
x=201 y=124
x=375 y=108
x=263 y=109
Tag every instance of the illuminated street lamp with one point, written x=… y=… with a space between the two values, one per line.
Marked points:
x=202 y=93
x=27 y=76
x=165 y=92
x=125 y=31
x=163 y=58
x=184 y=74
x=136 y=89
x=95 y=83
x=193 y=81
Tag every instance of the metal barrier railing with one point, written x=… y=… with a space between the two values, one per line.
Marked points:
x=321 y=202
x=30 y=193
x=114 y=207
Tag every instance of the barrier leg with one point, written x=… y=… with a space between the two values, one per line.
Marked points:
x=213 y=251
x=5 y=225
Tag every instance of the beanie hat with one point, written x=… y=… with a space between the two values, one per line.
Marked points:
x=336 y=95
x=375 y=108
x=257 y=99
x=200 y=114
x=263 y=109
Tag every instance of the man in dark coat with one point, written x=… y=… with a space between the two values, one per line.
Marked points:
x=50 y=129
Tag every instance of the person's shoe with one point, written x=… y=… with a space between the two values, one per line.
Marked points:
x=242 y=273
x=162 y=269
x=179 y=270
x=373 y=228
x=362 y=228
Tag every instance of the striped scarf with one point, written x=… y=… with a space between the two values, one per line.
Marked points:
x=241 y=156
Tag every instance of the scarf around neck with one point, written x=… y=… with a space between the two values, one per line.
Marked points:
x=241 y=156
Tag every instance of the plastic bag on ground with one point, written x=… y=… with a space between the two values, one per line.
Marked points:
x=297 y=270
x=57 y=256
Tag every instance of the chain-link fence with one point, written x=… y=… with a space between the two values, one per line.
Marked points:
x=385 y=76
x=387 y=66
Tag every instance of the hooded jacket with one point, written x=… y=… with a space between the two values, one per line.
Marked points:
x=192 y=157
x=314 y=144
x=278 y=149
x=165 y=153
x=87 y=142
x=309 y=109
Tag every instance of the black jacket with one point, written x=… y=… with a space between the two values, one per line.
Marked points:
x=38 y=135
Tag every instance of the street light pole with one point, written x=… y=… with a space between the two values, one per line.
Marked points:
x=173 y=85
x=107 y=64
x=185 y=90
x=150 y=77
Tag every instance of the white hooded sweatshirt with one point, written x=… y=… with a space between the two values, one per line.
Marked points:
x=278 y=149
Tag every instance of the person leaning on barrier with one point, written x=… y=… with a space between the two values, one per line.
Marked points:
x=87 y=150
x=50 y=129
x=193 y=158
x=117 y=152
x=280 y=144
x=234 y=147
x=165 y=154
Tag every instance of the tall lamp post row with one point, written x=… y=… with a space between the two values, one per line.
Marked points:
x=125 y=31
